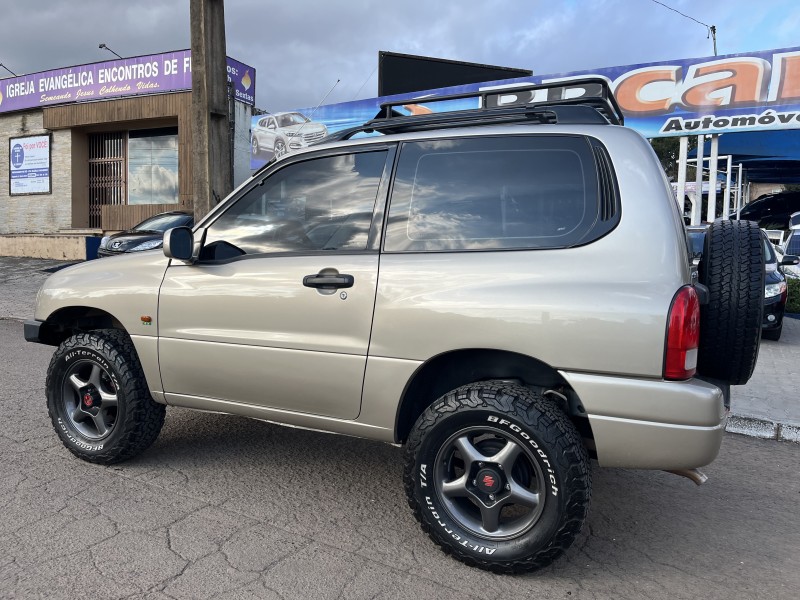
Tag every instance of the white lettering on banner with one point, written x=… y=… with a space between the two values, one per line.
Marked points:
x=66 y=81
x=22 y=88
x=127 y=72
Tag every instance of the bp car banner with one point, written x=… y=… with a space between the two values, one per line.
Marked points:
x=740 y=92
x=29 y=165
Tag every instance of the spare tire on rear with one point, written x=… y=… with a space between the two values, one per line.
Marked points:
x=732 y=268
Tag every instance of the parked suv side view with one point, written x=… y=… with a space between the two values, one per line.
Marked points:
x=467 y=284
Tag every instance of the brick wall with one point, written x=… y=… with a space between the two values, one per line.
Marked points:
x=44 y=213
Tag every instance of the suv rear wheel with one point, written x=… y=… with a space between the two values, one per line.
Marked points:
x=98 y=400
x=732 y=268
x=498 y=476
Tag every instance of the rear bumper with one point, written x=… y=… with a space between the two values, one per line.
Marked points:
x=652 y=424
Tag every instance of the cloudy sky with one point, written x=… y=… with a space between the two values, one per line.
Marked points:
x=300 y=48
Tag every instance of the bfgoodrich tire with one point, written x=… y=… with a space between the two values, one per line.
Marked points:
x=98 y=400
x=498 y=477
x=732 y=268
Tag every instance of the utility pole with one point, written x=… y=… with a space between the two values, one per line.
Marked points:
x=211 y=152
x=713 y=31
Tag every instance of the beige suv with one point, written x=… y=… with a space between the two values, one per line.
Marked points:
x=508 y=292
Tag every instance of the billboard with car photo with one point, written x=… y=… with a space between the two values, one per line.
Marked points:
x=738 y=92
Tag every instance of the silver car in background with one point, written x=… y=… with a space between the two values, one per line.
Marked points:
x=280 y=133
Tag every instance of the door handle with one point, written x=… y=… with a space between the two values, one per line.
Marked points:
x=325 y=281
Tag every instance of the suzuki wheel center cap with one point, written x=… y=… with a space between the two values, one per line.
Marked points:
x=488 y=481
x=90 y=399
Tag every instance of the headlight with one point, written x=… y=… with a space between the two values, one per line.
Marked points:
x=774 y=289
x=104 y=241
x=147 y=245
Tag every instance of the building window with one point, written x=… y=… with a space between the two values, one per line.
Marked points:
x=153 y=166
x=132 y=167
x=106 y=172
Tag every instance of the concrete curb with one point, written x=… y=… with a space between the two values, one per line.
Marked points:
x=763 y=429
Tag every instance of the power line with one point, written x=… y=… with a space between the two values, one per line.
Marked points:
x=368 y=78
x=712 y=30
x=706 y=25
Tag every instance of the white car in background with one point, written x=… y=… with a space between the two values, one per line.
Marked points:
x=276 y=134
x=791 y=246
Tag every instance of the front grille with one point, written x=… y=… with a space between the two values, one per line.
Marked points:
x=314 y=136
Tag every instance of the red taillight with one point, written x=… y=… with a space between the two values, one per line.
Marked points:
x=683 y=335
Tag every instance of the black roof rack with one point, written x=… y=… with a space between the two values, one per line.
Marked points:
x=595 y=105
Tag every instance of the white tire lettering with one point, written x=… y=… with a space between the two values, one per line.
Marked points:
x=545 y=460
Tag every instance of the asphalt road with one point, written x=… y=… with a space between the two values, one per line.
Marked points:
x=225 y=507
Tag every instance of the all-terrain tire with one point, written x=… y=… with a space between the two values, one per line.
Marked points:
x=548 y=450
x=98 y=400
x=732 y=268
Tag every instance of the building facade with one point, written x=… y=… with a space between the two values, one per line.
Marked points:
x=81 y=155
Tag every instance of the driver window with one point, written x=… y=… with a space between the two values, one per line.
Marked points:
x=323 y=204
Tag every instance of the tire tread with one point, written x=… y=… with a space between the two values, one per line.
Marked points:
x=556 y=430
x=144 y=417
x=730 y=325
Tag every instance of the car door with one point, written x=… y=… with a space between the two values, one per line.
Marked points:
x=278 y=310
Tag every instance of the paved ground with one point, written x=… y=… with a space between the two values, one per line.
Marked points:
x=773 y=391
x=225 y=507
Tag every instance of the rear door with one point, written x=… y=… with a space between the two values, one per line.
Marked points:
x=278 y=311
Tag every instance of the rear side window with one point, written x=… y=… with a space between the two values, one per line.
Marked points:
x=501 y=193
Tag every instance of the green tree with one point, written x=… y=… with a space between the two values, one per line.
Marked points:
x=667 y=149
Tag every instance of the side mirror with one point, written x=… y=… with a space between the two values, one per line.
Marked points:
x=179 y=244
x=790 y=260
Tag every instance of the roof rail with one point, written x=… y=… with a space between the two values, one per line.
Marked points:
x=595 y=105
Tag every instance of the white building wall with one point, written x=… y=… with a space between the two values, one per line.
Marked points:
x=41 y=213
x=241 y=142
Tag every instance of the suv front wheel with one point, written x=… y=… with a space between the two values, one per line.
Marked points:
x=98 y=400
x=498 y=476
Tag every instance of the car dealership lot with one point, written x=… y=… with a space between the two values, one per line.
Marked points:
x=227 y=507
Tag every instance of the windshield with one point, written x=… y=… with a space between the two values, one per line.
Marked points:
x=290 y=119
x=163 y=222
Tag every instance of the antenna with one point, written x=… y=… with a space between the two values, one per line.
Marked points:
x=324 y=97
x=318 y=105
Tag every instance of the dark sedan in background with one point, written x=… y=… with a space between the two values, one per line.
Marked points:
x=146 y=235
x=775 y=289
